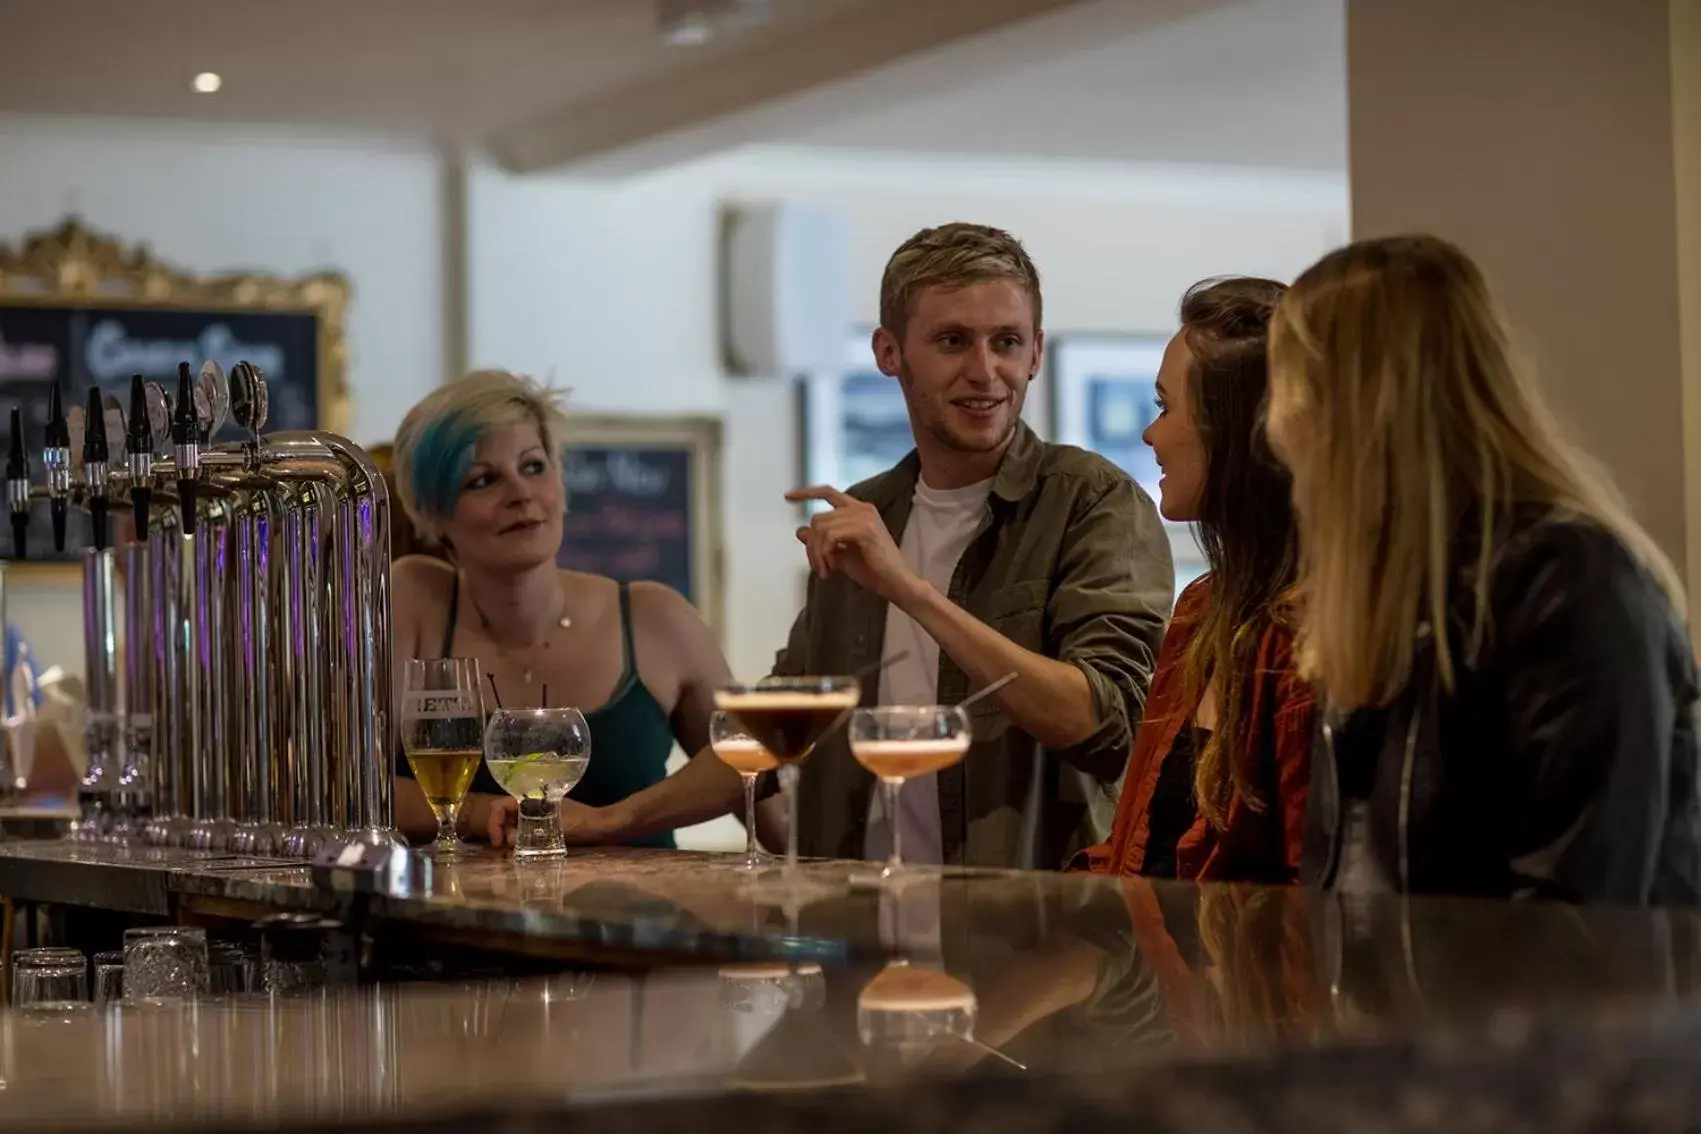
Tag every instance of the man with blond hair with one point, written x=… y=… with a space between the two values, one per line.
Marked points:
x=984 y=552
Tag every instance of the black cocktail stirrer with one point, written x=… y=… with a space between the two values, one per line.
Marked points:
x=862 y=675
x=873 y=668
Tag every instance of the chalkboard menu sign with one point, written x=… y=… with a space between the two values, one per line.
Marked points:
x=78 y=310
x=642 y=497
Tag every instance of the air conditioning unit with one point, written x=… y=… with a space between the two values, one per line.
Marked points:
x=785 y=293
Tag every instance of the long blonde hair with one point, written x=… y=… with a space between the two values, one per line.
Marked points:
x=1398 y=402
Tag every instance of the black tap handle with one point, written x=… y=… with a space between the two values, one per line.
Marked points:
x=141 y=499
x=185 y=430
x=58 y=437
x=97 y=522
x=95 y=452
x=18 y=470
x=140 y=437
x=186 y=436
x=58 y=431
x=17 y=458
x=95 y=449
x=139 y=443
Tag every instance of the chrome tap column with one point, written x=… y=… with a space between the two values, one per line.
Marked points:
x=143 y=633
x=363 y=566
x=100 y=678
x=135 y=776
x=167 y=649
x=256 y=693
x=308 y=552
x=98 y=789
x=207 y=561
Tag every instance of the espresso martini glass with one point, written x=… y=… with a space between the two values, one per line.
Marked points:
x=788 y=716
x=899 y=742
x=909 y=1012
x=744 y=754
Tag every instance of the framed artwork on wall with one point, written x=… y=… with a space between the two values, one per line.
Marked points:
x=644 y=499
x=1104 y=391
x=855 y=423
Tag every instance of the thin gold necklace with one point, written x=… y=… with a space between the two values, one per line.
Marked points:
x=528 y=666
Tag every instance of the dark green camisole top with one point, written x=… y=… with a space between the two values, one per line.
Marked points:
x=631 y=737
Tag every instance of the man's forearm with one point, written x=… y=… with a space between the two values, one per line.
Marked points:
x=702 y=790
x=1051 y=701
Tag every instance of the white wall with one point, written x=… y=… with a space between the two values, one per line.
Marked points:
x=212 y=198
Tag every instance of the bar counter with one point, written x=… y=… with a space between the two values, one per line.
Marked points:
x=983 y=1000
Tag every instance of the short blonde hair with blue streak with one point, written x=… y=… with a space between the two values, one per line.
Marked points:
x=435 y=443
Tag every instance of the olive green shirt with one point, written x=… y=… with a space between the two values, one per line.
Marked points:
x=1075 y=565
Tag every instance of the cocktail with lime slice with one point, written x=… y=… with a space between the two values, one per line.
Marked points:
x=538 y=756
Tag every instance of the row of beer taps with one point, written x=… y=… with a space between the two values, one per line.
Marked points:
x=252 y=709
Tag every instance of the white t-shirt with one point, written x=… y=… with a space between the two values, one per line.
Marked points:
x=942 y=524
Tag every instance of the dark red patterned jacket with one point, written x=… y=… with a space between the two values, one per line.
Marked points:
x=1258 y=844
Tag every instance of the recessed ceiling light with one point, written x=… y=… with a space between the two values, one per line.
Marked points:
x=207 y=82
x=692 y=23
x=692 y=30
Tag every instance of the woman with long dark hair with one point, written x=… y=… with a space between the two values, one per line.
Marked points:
x=1216 y=784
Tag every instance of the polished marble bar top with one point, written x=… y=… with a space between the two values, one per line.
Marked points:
x=1048 y=992
x=618 y=904
x=1225 y=1006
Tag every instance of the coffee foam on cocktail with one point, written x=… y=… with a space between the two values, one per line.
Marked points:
x=915 y=747
x=910 y=990
x=776 y=700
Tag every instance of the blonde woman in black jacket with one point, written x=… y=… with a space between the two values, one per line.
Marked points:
x=1508 y=688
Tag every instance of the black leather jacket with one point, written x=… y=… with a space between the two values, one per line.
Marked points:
x=1564 y=762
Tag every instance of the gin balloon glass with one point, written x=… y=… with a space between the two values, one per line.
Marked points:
x=538 y=756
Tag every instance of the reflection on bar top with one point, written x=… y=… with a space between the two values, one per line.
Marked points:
x=1058 y=973
x=1138 y=974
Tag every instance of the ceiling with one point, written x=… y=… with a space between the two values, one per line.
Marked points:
x=456 y=67
x=544 y=84
x=1259 y=83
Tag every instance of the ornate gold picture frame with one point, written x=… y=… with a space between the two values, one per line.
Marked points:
x=80 y=308
x=74 y=265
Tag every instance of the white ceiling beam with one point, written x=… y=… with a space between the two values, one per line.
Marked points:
x=880 y=54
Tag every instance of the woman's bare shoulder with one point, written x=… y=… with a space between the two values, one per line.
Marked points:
x=421 y=580
x=659 y=606
x=661 y=614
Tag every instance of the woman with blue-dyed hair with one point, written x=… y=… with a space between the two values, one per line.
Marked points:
x=478 y=468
